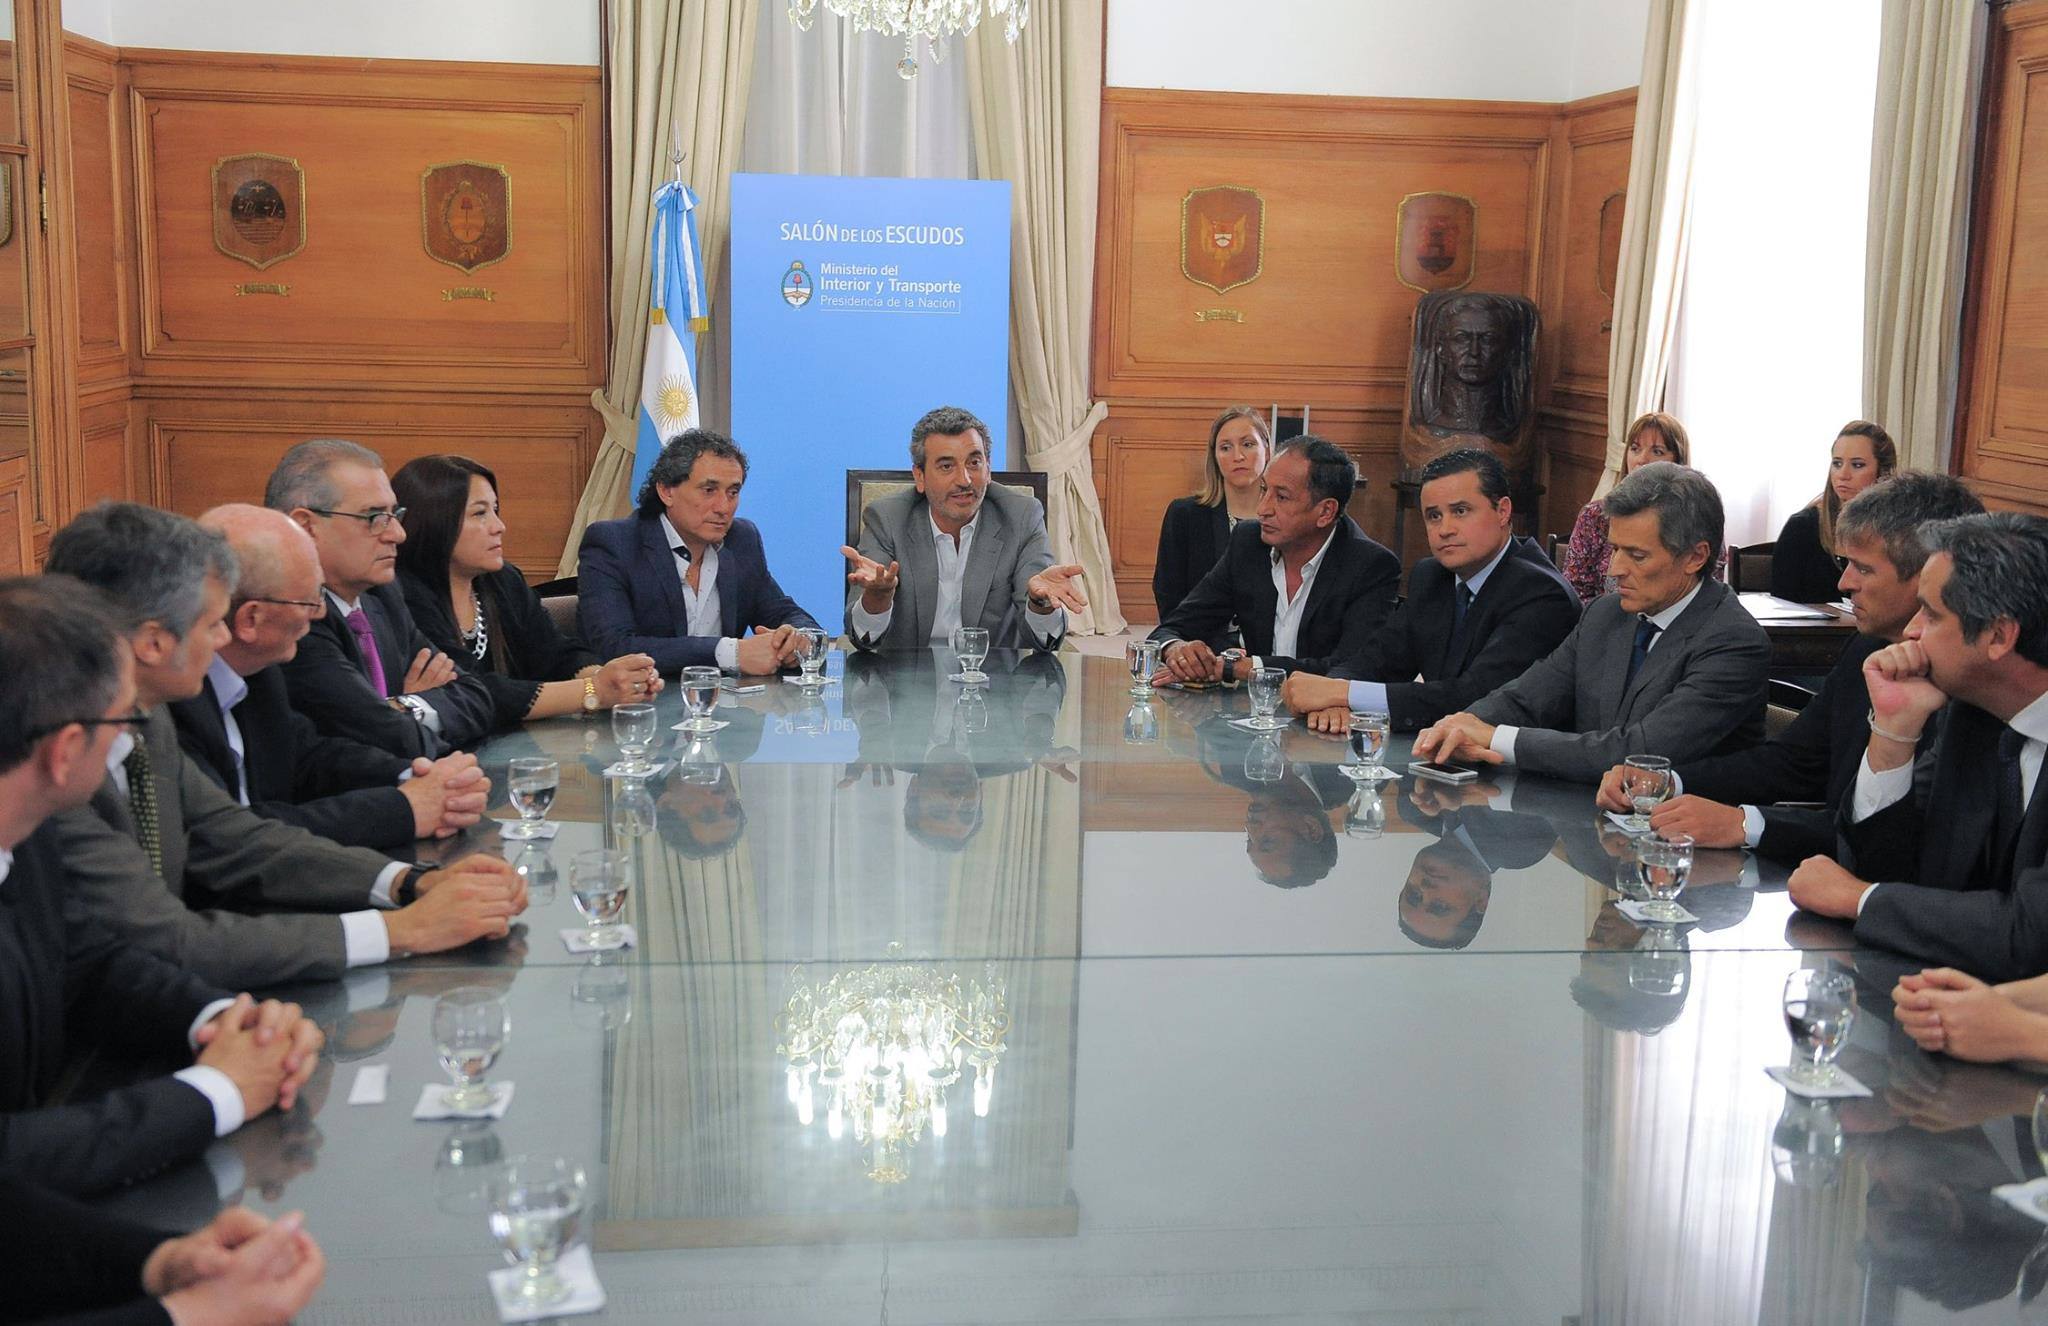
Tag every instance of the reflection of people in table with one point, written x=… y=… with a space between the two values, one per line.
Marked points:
x=1443 y=902
x=1930 y=1221
x=701 y=819
x=1287 y=832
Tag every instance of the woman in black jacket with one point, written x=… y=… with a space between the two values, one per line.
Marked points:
x=478 y=609
x=1805 y=567
x=1192 y=537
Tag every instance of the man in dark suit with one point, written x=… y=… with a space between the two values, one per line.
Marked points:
x=1726 y=799
x=969 y=554
x=164 y=858
x=1481 y=609
x=71 y=695
x=1670 y=662
x=684 y=578
x=241 y=730
x=1306 y=585
x=1952 y=868
x=364 y=670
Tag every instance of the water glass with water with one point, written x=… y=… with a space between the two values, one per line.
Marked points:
x=537 y=1215
x=970 y=644
x=1143 y=658
x=1264 y=690
x=1646 y=781
x=1820 y=1009
x=598 y=883
x=1368 y=749
x=700 y=698
x=1663 y=864
x=633 y=728
x=812 y=647
x=470 y=1028
x=531 y=782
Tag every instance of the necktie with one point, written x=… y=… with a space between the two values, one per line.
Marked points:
x=1646 y=631
x=2011 y=809
x=359 y=626
x=1454 y=651
x=142 y=803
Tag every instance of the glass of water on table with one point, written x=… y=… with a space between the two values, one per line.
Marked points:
x=531 y=783
x=1264 y=690
x=700 y=697
x=1368 y=749
x=471 y=1027
x=537 y=1215
x=598 y=884
x=1646 y=782
x=1820 y=1009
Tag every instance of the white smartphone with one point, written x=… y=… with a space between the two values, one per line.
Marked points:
x=731 y=687
x=1443 y=773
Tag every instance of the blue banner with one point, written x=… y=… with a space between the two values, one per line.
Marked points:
x=857 y=305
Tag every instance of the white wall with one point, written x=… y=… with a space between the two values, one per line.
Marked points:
x=1499 y=50
x=518 y=31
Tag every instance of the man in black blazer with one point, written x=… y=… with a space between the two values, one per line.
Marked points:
x=1951 y=867
x=72 y=987
x=1306 y=585
x=1670 y=662
x=364 y=671
x=242 y=732
x=684 y=578
x=1726 y=800
x=1481 y=609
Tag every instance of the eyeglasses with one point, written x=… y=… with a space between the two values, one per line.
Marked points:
x=378 y=521
x=317 y=607
x=130 y=721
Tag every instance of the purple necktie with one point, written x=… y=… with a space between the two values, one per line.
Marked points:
x=359 y=626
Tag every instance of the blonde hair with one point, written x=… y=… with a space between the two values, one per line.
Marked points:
x=1881 y=446
x=1212 y=480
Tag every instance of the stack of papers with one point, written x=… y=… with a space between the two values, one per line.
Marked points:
x=1771 y=608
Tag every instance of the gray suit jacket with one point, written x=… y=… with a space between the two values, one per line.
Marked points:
x=1009 y=548
x=1700 y=692
x=235 y=901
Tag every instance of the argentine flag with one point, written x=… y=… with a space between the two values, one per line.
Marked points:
x=668 y=380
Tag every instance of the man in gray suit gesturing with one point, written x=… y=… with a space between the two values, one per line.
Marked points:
x=971 y=555
x=1671 y=662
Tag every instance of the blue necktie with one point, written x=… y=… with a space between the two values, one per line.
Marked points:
x=1646 y=631
x=1454 y=650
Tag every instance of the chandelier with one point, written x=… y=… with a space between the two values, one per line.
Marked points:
x=933 y=20
x=883 y=1044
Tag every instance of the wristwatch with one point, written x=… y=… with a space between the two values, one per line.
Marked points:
x=414 y=705
x=590 y=695
x=1229 y=658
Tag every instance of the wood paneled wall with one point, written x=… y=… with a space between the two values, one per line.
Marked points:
x=1326 y=324
x=2002 y=416
x=191 y=385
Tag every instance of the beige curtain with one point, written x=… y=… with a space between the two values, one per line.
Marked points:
x=1036 y=109
x=679 y=69
x=1919 y=204
x=1655 y=228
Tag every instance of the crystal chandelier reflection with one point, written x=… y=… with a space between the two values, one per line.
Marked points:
x=933 y=20
x=882 y=1045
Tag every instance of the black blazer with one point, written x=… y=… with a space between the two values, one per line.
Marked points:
x=1355 y=588
x=630 y=599
x=1523 y=611
x=62 y=1256
x=328 y=685
x=334 y=786
x=1191 y=541
x=526 y=649
x=1939 y=899
x=1814 y=759
x=1802 y=570
x=55 y=977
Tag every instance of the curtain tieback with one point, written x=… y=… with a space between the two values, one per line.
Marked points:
x=1071 y=451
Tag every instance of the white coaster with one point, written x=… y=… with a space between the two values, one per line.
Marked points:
x=542 y=831
x=1843 y=1087
x=620 y=770
x=577 y=940
x=434 y=1103
x=1633 y=910
x=372 y=1084
x=1620 y=821
x=2025 y=1198
x=575 y=1268
x=717 y=725
x=1249 y=726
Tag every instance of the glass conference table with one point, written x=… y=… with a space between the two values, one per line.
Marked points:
x=1256 y=1048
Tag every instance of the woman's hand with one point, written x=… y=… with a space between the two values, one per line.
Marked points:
x=628 y=679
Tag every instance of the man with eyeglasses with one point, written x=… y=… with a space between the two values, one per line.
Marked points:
x=242 y=732
x=365 y=671
x=163 y=857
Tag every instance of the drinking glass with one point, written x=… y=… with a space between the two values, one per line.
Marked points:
x=1264 y=761
x=471 y=1027
x=1663 y=863
x=1265 y=696
x=598 y=882
x=531 y=783
x=1646 y=781
x=1141 y=725
x=536 y=1215
x=1143 y=657
x=538 y=869
x=1368 y=749
x=1820 y=1008
x=970 y=643
x=810 y=656
x=700 y=697
x=633 y=729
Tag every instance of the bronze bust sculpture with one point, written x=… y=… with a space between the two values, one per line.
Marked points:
x=1471 y=379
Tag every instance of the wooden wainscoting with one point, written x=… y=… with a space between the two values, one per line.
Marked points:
x=17 y=534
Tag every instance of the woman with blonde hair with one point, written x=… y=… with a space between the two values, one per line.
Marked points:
x=1193 y=535
x=1805 y=566
x=1654 y=436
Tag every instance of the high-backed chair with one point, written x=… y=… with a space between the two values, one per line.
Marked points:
x=1783 y=704
x=1749 y=569
x=865 y=486
x=558 y=597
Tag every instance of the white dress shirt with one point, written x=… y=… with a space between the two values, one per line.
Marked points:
x=1874 y=791
x=952 y=554
x=704 y=611
x=1504 y=735
x=229 y=690
x=364 y=939
x=1287 y=608
x=1370 y=697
